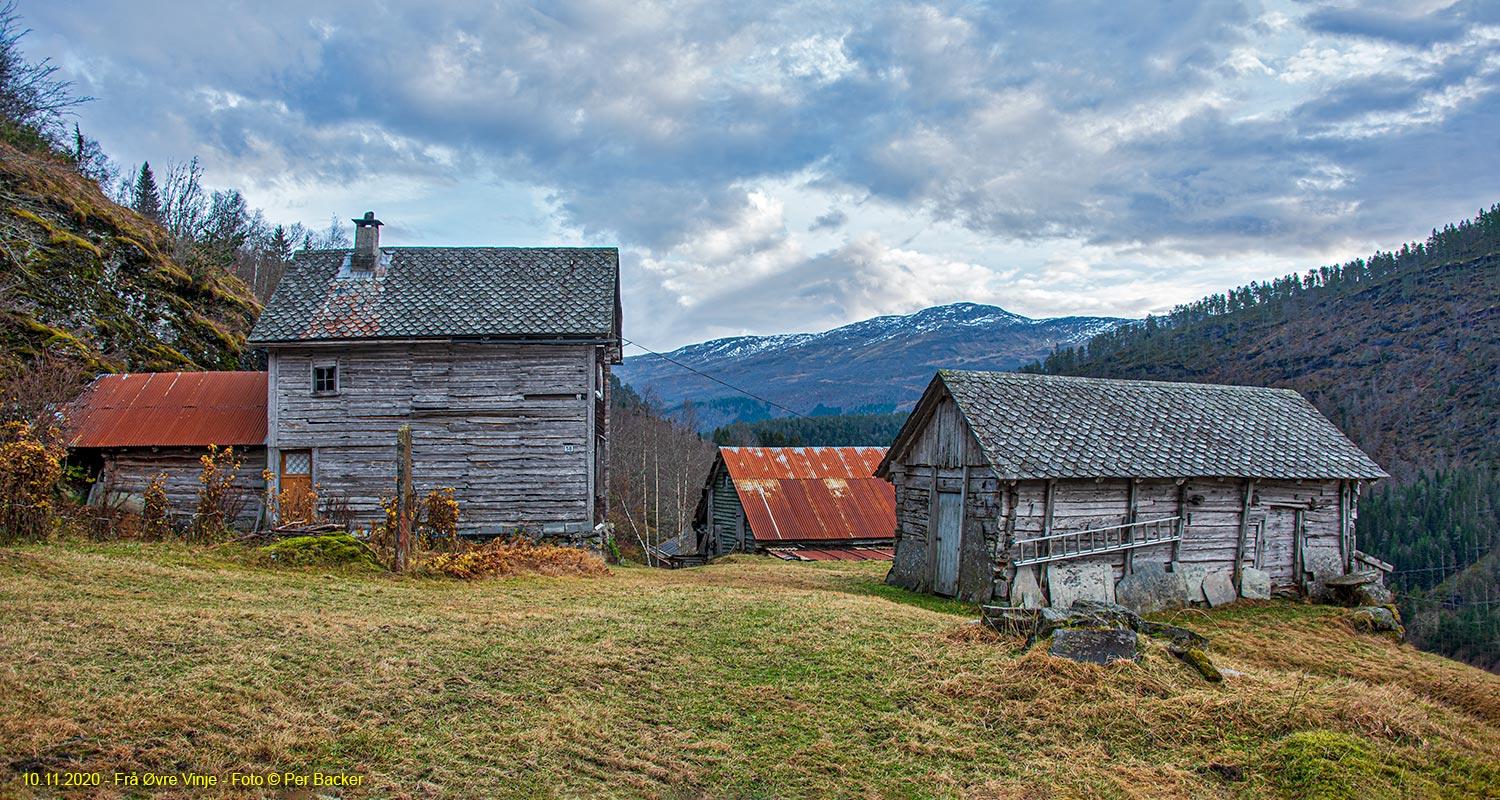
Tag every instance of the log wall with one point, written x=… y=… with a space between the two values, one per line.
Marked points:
x=1298 y=531
x=514 y=428
x=127 y=473
x=945 y=457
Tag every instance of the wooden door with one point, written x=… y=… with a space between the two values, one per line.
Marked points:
x=949 y=534
x=1279 y=545
x=295 y=482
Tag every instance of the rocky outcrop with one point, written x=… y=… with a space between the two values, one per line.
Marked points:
x=80 y=274
x=1095 y=632
x=1378 y=620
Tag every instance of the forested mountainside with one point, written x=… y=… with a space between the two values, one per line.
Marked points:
x=873 y=366
x=863 y=430
x=1402 y=351
x=82 y=275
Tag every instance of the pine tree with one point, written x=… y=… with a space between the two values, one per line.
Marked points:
x=146 y=199
x=281 y=244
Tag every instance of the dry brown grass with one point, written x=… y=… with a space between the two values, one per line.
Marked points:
x=750 y=679
x=510 y=558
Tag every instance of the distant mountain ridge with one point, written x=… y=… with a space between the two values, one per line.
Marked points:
x=875 y=365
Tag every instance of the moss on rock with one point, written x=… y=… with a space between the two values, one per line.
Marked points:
x=1199 y=660
x=327 y=550
x=87 y=275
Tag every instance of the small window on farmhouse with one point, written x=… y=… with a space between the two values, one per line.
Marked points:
x=325 y=379
x=296 y=462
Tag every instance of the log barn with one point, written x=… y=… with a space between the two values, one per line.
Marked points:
x=497 y=357
x=796 y=503
x=1030 y=489
x=127 y=428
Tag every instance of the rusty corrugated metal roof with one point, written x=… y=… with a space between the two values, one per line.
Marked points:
x=170 y=409
x=812 y=493
x=833 y=554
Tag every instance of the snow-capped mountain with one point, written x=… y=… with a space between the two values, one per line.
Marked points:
x=876 y=365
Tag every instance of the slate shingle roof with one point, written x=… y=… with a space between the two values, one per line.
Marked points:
x=440 y=292
x=1041 y=426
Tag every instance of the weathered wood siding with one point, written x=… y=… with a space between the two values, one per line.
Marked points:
x=1292 y=530
x=729 y=533
x=1298 y=531
x=1317 y=548
x=945 y=457
x=513 y=428
x=129 y=472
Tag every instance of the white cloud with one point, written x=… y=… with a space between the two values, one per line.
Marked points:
x=785 y=166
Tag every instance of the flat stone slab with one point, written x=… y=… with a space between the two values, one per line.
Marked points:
x=1151 y=588
x=1096 y=647
x=1354 y=578
x=1080 y=580
x=1255 y=584
x=1323 y=563
x=1025 y=591
x=1192 y=578
x=1218 y=589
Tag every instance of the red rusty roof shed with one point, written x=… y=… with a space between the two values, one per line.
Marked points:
x=812 y=494
x=170 y=409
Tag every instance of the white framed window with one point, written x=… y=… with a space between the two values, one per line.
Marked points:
x=325 y=378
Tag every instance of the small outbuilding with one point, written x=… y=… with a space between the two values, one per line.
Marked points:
x=796 y=503
x=128 y=428
x=1031 y=489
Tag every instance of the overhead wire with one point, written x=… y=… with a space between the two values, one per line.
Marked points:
x=723 y=383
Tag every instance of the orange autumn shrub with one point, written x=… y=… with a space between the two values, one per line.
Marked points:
x=504 y=558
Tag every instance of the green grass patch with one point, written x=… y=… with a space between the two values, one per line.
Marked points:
x=747 y=678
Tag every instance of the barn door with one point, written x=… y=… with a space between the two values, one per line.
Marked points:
x=1278 y=545
x=949 y=517
x=295 y=483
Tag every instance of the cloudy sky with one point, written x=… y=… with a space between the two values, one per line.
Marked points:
x=767 y=167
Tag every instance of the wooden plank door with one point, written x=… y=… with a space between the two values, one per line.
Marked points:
x=295 y=483
x=949 y=535
x=1281 y=532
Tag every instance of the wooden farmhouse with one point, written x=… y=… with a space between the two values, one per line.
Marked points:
x=497 y=357
x=128 y=428
x=1028 y=489
x=796 y=503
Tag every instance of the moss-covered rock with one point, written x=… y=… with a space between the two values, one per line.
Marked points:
x=327 y=550
x=1379 y=619
x=1199 y=660
x=84 y=275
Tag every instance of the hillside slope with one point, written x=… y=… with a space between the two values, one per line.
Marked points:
x=80 y=273
x=1400 y=351
x=793 y=680
x=876 y=365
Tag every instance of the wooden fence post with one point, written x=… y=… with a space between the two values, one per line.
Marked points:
x=403 y=498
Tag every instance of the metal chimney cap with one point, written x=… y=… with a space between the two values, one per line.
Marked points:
x=367 y=219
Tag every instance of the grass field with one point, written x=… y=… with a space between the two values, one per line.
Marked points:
x=745 y=679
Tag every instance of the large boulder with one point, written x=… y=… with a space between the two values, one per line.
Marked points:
x=1361 y=588
x=1098 y=632
x=1192 y=578
x=1025 y=591
x=1379 y=619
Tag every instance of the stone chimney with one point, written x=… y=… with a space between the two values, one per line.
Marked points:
x=366 y=243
